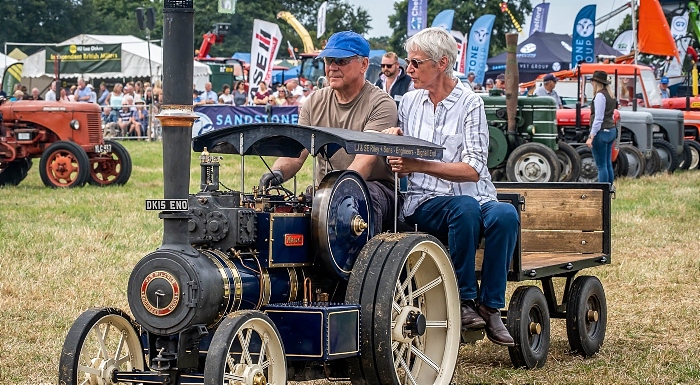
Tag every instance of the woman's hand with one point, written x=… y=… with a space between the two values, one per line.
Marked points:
x=404 y=165
x=589 y=142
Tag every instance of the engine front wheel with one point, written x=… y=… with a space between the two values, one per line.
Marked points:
x=101 y=342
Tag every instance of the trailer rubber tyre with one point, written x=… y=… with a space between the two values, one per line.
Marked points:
x=12 y=173
x=410 y=329
x=589 y=170
x=533 y=162
x=669 y=158
x=653 y=164
x=111 y=168
x=100 y=342
x=586 y=315
x=528 y=324
x=694 y=148
x=569 y=161
x=247 y=349
x=636 y=163
x=64 y=164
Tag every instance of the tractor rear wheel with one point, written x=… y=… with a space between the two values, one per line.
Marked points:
x=410 y=332
x=533 y=162
x=570 y=162
x=669 y=158
x=694 y=151
x=110 y=168
x=64 y=164
x=12 y=173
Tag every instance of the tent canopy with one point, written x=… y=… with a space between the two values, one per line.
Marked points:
x=540 y=53
x=5 y=61
x=134 y=60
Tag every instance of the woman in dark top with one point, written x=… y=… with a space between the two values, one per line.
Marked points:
x=603 y=130
x=263 y=95
x=240 y=97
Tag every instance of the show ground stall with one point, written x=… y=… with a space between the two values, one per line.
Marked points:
x=134 y=62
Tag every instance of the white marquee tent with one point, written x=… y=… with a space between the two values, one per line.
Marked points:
x=134 y=62
x=5 y=61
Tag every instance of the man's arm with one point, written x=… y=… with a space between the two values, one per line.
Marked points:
x=290 y=166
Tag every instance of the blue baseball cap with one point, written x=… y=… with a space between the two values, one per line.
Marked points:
x=664 y=80
x=345 y=44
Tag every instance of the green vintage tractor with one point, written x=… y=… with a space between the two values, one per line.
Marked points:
x=532 y=153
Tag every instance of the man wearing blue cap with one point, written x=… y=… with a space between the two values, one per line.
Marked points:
x=663 y=88
x=352 y=103
x=547 y=89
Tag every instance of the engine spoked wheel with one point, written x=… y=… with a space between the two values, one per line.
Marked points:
x=64 y=164
x=101 y=342
x=246 y=349
x=406 y=286
x=533 y=162
x=528 y=323
x=112 y=167
x=586 y=315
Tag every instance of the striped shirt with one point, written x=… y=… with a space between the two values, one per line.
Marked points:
x=459 y=125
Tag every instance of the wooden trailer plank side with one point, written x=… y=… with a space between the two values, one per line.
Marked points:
x=561 y=241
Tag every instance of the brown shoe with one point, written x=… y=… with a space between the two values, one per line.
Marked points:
x=495 y=330
x=470 y=318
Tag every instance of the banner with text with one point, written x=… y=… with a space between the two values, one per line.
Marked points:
x=321 y=19
x=263 y=51
x=538 y=23
x=444 y=19
x=461 y=50
x=583 y=40
x=85 y=58
x=417 y=16
x=214 y=117
x=478 y=46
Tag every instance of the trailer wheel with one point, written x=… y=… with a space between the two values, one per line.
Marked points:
x=569 y=161
x=653 y=164
x=528 y=323
x=636 y=163
x=112 y=168
x=533 y=162
x=669 y=158
x=586 y=316
x=694 y=148
x=12 y=173
x=410 y=331
x=589 y=170
x=247 y=349
x=64 y=164
x=100 y=342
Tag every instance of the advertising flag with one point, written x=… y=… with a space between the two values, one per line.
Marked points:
x=263 y=51
x=417 y=16
x=624 y=41
x=538 y=23
x=583 y=40
x=679 y=29
x=461 y=50
x=478 y=47
x=444 y=19
x=321 y=19
x=290 y=50
x=227 y=6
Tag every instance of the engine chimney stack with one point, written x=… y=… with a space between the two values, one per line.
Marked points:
x=177 y=117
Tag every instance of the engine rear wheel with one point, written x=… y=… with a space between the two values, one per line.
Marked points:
x=246 y=349
x=101 y=341
x=110 y=168
x=533 y=162
x=12 y=173
x=406 y=286
x=64 y=164
x=569 y=161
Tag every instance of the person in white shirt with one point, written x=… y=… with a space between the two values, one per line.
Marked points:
x=209 y=96
x=51 y=93
x=454 y=196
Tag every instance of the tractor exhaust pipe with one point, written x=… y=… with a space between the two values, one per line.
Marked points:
x=512 y=82
x=177 y=117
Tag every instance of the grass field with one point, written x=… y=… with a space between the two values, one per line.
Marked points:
x=63 y=251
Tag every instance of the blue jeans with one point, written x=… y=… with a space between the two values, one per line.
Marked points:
x=602 y=154
x=463 y=221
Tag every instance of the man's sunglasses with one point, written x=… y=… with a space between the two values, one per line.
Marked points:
x=415 y=62
x=339 y=61
x=388 y=65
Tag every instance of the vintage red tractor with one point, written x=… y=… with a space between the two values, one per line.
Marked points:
x=67 y=137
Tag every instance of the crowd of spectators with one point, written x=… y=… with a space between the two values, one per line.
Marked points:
x=290 y=93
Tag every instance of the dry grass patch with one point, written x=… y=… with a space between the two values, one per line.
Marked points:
x=64 y=251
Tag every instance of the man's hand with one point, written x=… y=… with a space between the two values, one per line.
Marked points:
x=404 y=165
x=274 y=178
x=393 y=131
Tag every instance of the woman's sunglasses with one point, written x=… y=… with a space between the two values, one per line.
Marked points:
x=415 y=62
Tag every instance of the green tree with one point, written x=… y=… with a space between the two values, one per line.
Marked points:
x=466 y=13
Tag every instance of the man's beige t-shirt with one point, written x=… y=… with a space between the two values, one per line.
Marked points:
x=372 y=110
